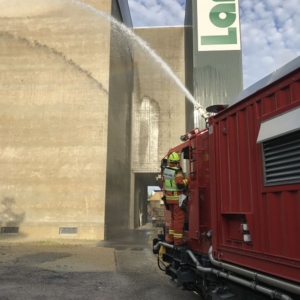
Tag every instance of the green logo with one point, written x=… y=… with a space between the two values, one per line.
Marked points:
x=222 y=16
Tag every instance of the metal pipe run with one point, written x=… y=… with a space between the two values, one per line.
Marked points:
x=247 y=273
x=156 y=246
x=255 y=276
x=249 y=284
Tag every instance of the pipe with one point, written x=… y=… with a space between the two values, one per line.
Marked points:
x=255 y=276
x=198 y=266
x=249 y=284
x=244 y=272
x=156 y=246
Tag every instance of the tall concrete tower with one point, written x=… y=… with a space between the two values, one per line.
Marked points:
x=84 y=118
x=213 y=53
x=66 y=85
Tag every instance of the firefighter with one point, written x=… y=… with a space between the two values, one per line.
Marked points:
x=175 y=185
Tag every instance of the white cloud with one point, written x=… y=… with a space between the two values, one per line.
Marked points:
x=156 y=12
x=270 y=30
x=270 y=36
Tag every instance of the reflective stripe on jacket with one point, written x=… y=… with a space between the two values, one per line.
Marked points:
x=169 y=179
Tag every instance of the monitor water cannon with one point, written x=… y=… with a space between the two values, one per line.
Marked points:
x=198 y=108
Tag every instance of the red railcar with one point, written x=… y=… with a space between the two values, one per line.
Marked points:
x=244 y=197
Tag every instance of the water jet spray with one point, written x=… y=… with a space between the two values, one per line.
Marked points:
x=129 y=33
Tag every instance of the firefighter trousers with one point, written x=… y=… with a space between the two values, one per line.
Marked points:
x=176 y=224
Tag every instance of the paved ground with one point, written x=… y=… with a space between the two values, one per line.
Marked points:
x=123 y=268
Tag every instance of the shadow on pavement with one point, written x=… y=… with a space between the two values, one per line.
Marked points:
x=139 y=239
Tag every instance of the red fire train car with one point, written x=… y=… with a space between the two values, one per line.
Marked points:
x=242 y=228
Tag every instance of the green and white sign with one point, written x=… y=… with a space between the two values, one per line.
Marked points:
x=218 y=25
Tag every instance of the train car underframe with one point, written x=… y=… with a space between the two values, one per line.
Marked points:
x=199 y=273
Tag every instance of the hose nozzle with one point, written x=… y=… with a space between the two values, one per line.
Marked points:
x=202 y=111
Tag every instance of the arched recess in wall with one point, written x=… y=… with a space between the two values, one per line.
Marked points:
x=148 y=131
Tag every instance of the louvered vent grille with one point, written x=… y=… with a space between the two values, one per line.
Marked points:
x=68 y=230
x=9 y=230
x=282 y=159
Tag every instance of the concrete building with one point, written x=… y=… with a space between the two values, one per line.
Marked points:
x=65 y=104
x=70 y=104
x=158 y=111
x=86 y=117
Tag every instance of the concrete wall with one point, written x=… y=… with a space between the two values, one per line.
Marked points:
x=119 y=131
x=158 y=104
x=158 y=111
x=54 y=83
x=75 y=137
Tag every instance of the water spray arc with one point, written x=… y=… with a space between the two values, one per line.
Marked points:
x=129 y=33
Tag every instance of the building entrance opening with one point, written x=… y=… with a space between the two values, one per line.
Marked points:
x=146 y=188
x=156 y=207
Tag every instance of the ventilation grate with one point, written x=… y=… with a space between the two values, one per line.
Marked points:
x=67 y=230
x=282 y=159
x=9 y=230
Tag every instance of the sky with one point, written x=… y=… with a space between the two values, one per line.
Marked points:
x=270 y=30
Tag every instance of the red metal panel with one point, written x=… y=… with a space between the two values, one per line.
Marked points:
x=223 y=180
x=275 y=229
x=268 y=105
x=280 y=236
x=199 y=200
x=238 y=191
x=265 y=245
x=204 y=196
x=235 y=162
x=194 y=214
x=295 y=90
x=232 y=154
x=283 y=97
x=253 y=153
x=215 y=184
x=261 y=262
x=291 y=211
x=244 y=159
x=258 y=108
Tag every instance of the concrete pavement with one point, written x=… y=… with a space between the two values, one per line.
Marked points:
x=122 y=268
